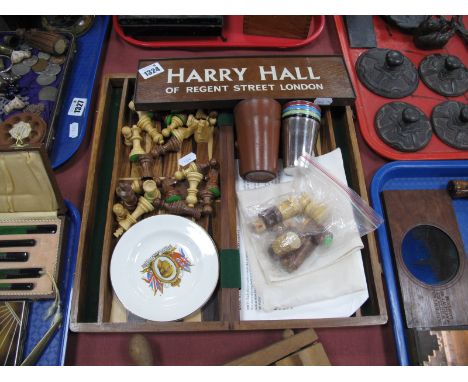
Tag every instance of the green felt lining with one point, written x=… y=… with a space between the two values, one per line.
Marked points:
x=230 y=275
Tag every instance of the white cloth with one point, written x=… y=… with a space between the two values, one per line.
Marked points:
x=333 y=287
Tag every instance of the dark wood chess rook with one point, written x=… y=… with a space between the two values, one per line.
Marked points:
x=211 y=190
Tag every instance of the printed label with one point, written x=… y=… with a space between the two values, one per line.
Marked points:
x=323 y=101
x=189 y=158
x=77 y=107
x=151 y=70
x=74 y=128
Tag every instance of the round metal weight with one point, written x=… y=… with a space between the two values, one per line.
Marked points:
x=52 y=69
x=20 y=69
x=450 y=122
x=30 y=61
x=444 y=74
x=48 y=93
x=402 y=126
x=44 y=79
x=387 y=73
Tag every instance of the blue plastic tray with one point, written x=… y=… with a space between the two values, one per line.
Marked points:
x=54 y=354
x=80 y=84
x=414 y=175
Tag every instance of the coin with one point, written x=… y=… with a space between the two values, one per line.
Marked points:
x=45 y=79
x=30 y=61
x=52 y=69
x=48 y=93
x=43 y=56
x=40 y=65
x=20 y=69
x=57 y=60
x=25 y=47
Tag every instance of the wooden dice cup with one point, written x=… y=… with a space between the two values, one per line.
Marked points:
x=38 y=127
x=258 y=126
x=427 y=305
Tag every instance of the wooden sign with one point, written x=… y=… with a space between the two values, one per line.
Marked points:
x=428 y=305
x=223 y=81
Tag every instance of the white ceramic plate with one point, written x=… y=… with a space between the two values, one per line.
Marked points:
x=196 y=282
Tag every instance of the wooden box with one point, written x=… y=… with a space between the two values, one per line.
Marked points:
x=92 y=297
x=278 y=26
x=31 y=209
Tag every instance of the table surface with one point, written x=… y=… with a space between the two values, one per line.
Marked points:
x=372 y=345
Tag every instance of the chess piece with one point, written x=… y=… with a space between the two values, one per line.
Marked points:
x=194 y=178
x=184 y=133
x=143 y=207
x=151 y=190
x=173 y=122
x=204 y=125
x=169 y=191
x=127 y=134
x=135 y=183
x=120 y=211
x=172 y=145
x=136 y=143
x=211 y=190
x=178 y=208
x=127 y=195
x=201 y=168
x=318 y=212
x=146 y=165
x=283 y=211
x=146 y=125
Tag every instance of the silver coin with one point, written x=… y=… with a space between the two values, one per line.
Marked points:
x=20 y=69
x=30 y=61
x=25 y=47
x=45 y=79
x=52 y=69
x=43 y=55
x=48 y=93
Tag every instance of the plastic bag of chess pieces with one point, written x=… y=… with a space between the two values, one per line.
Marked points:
x=314 y=224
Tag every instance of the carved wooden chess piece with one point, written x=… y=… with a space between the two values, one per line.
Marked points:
x=145 y=124
x=127 y=134
x=135 y=183
x=211 y=190
x=178 y=208
x=143 y=207
x=204 y=125
x=120 y=211
x=127 y=195
x=184 y=133
x=169 y=191
x=201 y=168
x=146 y=165
x=172 y=145
x=173 y=122
x=136 y=143
x=281 y=212
x=151 y=190
x=194 y=178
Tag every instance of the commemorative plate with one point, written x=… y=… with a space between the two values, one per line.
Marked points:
x=164 y=268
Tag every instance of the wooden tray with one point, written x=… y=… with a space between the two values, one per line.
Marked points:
x=92 y=297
